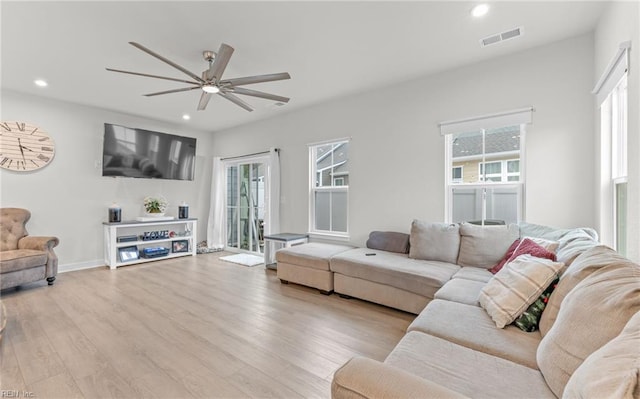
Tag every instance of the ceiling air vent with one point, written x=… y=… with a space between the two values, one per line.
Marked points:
x=493 y=39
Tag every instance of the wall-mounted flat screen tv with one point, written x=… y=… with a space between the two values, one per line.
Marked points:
x=130 y=152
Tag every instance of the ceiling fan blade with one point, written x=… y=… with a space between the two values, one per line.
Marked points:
x=204 y=100
x=220 y=63
x=171 y=91
x=236 y=100
x=256 y=79
x=255 y=93
x=153 y=76
x=161 y=58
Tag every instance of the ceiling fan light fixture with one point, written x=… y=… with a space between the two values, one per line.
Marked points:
x=211 y=89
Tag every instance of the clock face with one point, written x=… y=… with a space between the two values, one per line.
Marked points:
x=24 y=147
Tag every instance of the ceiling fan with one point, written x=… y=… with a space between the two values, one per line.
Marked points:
x=211 y=81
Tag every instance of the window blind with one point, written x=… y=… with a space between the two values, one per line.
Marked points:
x=500 y=119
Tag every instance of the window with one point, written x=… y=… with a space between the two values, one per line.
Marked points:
x=485 y=156
x=611 y=95
x=329 y=188
x=618 y=116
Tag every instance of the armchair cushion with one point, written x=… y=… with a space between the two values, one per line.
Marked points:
x=20 y=259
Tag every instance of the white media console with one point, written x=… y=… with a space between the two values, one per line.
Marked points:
x=125 y=242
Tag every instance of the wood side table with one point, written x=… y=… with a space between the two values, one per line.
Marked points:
x=284 y=240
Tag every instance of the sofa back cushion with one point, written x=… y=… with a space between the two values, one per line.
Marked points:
x=12 y=227
x=484 y=246
x=612 y=371
x=389 y=241
x=588 y=262
x=434 y=241
x=592 y=314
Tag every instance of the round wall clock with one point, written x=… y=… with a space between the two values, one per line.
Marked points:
x=24 y=147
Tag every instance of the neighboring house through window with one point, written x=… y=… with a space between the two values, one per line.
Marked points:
x=485 y=156
x=329 y=188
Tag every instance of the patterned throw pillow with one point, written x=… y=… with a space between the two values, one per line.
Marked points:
x=528 y=246
x=528 y=321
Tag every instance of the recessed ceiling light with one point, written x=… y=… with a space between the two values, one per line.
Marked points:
x=480 y=10
x=41 y=83
x=186 y=117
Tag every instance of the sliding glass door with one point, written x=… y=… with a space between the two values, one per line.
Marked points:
x=245 y=206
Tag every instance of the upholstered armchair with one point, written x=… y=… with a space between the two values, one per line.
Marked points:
x=23 y=258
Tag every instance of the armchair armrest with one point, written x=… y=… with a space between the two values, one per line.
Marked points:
x=43 y=244
x=38 y=243
x=366 y=378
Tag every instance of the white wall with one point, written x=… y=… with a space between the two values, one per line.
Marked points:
x=69 y=197
x=397 y=154
x=619 y=24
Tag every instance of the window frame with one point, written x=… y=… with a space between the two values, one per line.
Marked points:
x=618 y=109
x=314 y=174
x=519 y=186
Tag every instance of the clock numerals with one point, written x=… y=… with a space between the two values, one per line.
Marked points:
x=24 y=147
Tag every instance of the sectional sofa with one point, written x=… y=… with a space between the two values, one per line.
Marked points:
x=468 y=338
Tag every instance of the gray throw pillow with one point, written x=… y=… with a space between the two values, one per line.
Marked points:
x=484 y=246
x=389 y=241
x=434 y=241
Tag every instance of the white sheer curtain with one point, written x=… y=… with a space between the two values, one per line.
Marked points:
x=216 y=226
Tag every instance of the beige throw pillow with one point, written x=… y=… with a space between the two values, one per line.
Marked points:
x=612 y=371
x=434 y=241
x=516 y=286
x=484 y=246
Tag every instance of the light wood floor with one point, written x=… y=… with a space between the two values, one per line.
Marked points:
x=181 y=328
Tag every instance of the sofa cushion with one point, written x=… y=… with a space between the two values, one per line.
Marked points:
x=506 y=257
x=434 y=241
x=591 y=315
x=474 y=273
x=471 y=326
x=470 y=372
x=611 y=371
x=461 y=290
x=396 y=270
x=314 y=255
x=20 y=259
x=389 y=241
x=516 y=286
x=587 y=263
x=484 y=246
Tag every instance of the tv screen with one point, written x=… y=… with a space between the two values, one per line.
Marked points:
x=143 y=153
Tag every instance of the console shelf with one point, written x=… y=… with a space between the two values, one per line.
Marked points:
x=184 y=229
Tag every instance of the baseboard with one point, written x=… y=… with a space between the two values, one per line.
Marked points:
x=71 y=267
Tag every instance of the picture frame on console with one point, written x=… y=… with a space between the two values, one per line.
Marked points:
x=180 y=246
x=128 y=253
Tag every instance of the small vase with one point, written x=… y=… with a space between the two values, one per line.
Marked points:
x=154 y=214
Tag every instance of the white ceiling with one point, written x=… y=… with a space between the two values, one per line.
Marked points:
x=331 y=49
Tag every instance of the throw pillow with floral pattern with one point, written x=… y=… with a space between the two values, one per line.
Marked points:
x=528 y=321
